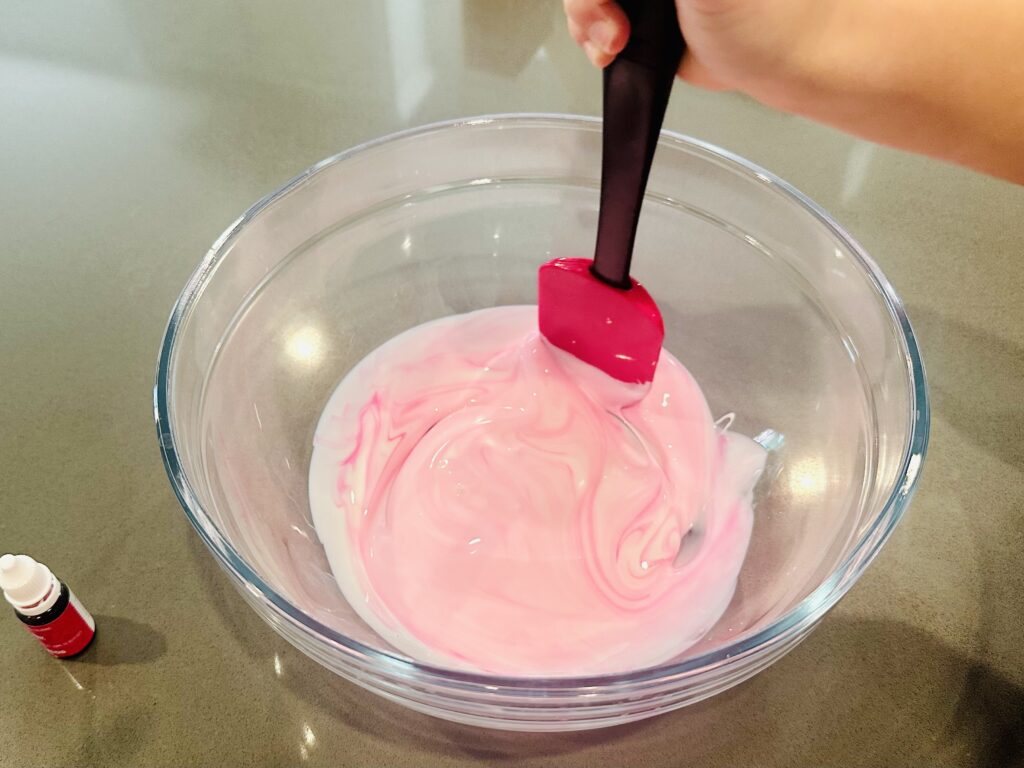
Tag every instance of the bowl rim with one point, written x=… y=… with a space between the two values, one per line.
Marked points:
x=782 y=631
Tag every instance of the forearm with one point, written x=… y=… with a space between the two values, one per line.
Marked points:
x=940 y=77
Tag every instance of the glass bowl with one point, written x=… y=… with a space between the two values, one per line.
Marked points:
x=779 y=314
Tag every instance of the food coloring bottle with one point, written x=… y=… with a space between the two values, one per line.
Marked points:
x=45 y=605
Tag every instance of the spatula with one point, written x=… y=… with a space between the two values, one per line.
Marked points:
x=593 y=309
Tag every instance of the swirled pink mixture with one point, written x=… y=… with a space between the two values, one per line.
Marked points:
x=488 y=503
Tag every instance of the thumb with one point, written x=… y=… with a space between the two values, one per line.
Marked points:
x=599 y=26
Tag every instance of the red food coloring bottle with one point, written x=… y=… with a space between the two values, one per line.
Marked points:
x=47 y=608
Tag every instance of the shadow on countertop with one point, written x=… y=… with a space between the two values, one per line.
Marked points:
x=976 y=382
x=122 y=641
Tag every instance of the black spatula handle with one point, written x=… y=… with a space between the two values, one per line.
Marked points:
x=636 y=90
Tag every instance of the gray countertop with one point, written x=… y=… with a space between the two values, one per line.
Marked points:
x=132 y=133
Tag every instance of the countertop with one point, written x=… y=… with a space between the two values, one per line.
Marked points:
x=132 y=133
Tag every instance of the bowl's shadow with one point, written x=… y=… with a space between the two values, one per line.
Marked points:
x=857 y=692
x=977 y=382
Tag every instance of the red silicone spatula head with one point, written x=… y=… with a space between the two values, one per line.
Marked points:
x=617 y=331
x=593 y=309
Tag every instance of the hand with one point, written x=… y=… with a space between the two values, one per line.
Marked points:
x=939 y=77
x=754 y=46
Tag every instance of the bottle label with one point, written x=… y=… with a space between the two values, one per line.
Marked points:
x=69 y=633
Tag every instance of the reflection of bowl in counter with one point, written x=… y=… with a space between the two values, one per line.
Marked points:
x=778 y=314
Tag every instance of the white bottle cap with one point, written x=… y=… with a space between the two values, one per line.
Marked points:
x=27 y=585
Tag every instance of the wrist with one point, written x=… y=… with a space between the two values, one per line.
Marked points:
x=822 y=60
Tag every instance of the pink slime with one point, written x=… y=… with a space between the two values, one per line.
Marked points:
x=488 y=502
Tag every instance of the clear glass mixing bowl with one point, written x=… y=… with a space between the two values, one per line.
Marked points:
x=779 y=314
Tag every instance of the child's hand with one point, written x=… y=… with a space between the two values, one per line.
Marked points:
x=940 y=77
x=745 y=45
